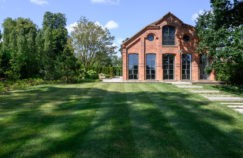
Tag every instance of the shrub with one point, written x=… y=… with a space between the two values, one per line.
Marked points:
x=91 y=74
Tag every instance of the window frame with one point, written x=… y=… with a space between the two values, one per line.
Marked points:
x=170 y=66
x=134 y=75
x=169 y=39
x=149 y=67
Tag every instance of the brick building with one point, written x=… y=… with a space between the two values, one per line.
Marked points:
x=164 y=50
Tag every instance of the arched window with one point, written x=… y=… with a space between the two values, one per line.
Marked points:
x=168 y=35
x=133 y=66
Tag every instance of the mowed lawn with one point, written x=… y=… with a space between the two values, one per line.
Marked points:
x=126 y=120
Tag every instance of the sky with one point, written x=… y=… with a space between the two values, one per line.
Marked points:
x=123 y=18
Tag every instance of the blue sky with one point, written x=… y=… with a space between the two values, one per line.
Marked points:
x=122 y=17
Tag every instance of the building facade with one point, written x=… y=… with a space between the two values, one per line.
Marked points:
x=164 y=50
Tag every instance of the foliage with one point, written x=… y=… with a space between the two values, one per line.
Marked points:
x=116 y=61
x=48 y=53
x=67 y=64
x=54 y=40
x=222 y=38
x=20 y=84
x=92 y=44
x=18 y=54
x=91 y=74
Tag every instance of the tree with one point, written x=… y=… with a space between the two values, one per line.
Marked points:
x=54 y=38
x=18 y=49
x=68 y=66
x=92 y=44
x=116 y=61
x=221 y=38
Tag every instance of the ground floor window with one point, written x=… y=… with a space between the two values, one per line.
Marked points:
x=133 y=66
x=203 y=64
x=150 y=66
x=168 y=66
x=186 y=66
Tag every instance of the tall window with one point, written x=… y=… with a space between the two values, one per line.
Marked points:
x=168 y=35
x=168 y=66
x=203 y=64
x=150 y=66
x=186 y=66
x=133 y=66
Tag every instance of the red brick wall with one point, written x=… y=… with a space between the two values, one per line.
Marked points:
x=140 y=45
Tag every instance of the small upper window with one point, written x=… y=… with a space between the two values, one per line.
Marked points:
x=168 y=35
x=186 y=38
x=150 y=37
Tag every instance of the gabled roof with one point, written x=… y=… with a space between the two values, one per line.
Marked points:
x=154 y=25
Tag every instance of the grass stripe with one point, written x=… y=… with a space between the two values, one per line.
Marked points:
x=194 y=120
x=165 y=141
x=46 y=134
x=109 y=136
x=116 y=120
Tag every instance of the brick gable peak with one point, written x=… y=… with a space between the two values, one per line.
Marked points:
x=155 y=25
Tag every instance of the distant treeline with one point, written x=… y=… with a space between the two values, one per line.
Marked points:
x=51 y=53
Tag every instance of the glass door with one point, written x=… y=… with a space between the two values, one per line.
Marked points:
x=168 y=66
x=133 y=66
x=203 y=65
x=186 y=66
x=150 y=66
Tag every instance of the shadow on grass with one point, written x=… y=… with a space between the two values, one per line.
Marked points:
x=96 y=122
x=238 y=90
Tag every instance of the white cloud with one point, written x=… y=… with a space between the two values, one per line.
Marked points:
x=111 y=25
x=196 y=15
x=111 y=2
x=39 y=2
x=70 y=27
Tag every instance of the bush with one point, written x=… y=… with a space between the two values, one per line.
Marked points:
x=91 y=74
x=20 y=84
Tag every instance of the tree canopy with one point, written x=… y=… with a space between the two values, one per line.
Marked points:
x=50 y=53
x=18 y=58
x=221 y=37
x=92 y=44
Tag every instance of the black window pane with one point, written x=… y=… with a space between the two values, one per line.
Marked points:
x=186 y=66
x=168 y=35
x=133 y=66
x=168 y=66
x=203 y=64
x=150 y=66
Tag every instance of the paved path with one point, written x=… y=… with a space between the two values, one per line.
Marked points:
x=230 y=101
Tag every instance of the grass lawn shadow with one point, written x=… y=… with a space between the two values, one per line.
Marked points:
x=116 y=120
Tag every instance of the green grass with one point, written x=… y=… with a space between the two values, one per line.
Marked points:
x=127 y=120
x=228 y=89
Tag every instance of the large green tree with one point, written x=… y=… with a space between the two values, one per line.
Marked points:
x=18 y=55
x=92 y=44
x=221 y=38
x=54 y=37
x=67 y=65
